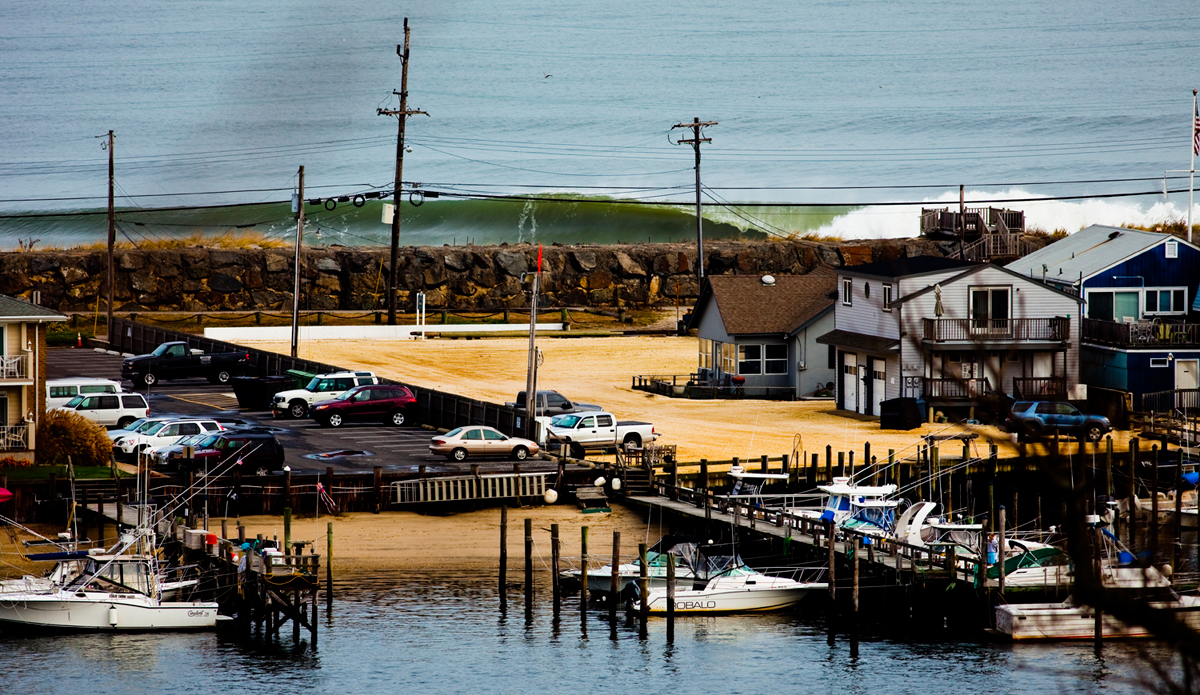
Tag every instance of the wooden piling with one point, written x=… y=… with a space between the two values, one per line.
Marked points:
x=841 y=469
x=1132 y=497
x=1098 y=542
x=703 y=482
x=528 y=564
x=854 y=590
x=377 y=489
x=829 y=540
x=1003 y=546
x=100 y=519
x=867 y=459
x=503 y=580
x=828 y=463
x=328 y=568
x=614 y=586
x=287 y=530
x=811 y=473
x=241 y=534
x=891 y=464
x=554 y=554
x=670 y=596
x=1177 y=538
x=1154 y=504
x=643 y=581
x=224 y=528
x=583 y=568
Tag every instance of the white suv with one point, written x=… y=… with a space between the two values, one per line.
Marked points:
x=323 y=387
x=110 y=410
x=161 y=434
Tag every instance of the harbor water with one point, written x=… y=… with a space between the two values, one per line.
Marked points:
x=442 y=632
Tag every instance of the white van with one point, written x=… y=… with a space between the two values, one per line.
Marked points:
x=60 y=391
x=111 y=410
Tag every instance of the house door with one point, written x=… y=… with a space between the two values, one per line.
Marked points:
x=1043 y=364
x=1186 y=374
x=850 y=381
x=878 y=381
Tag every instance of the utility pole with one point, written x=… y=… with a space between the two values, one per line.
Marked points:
x=695 y=141
x=402 y=115
x=112 y=238
x=531 y=373
x=296 y=287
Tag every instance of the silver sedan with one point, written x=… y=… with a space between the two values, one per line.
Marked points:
x=478 y=441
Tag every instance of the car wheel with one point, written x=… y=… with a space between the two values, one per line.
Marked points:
x=297 y=409
x=223 y=376
x=334 y=420
x=396 y=418
x=459 y=454
x=1094 y=432
x=262 y=470
x=123 y=423
x=149 y=379
x=632 y=441
x=520 y=453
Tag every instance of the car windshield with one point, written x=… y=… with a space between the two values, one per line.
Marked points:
x=158 y=351
x=154 y=427
x=145 y=425
x=207 y=440
x=347 y=395
x=190 y=440
x=565 y=421
x=74 y=402
x=312 y=385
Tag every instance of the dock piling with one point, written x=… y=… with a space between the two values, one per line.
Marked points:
x=287 y=530
x=528 y=565
x=328 y=568
x=554 y=553
x=503 y=581
x=614 y=576
x=583 y=569
x=670 y=597
x=643 y=581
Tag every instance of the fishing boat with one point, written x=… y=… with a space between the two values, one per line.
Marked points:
x=868 y=508
x=600 y=580
x=111 y=592
x=722 y=583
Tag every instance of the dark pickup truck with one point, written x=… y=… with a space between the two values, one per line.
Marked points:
x=176 y=361
x=551 y=403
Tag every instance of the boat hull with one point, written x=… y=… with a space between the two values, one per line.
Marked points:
x=734 y=599
x=108 y=612
x=1061 y=621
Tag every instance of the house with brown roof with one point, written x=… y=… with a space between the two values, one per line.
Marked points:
x=758 y=333
x=22 y=373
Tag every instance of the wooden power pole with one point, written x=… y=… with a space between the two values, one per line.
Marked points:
x=402 y=115
x=296 y=286
x=695 y=141
x=112 y=239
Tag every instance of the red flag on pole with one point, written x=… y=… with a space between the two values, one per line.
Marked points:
x=540 y=246
x=1196 y=133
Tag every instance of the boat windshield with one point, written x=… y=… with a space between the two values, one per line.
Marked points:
x=116 y=576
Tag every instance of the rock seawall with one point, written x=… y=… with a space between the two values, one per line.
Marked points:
x=456 y=277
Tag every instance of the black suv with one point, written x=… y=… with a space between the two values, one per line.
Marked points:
x=257 y=450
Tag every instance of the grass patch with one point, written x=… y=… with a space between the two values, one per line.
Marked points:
x=44 y=472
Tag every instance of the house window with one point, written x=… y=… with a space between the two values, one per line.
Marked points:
x=847 y=292
x=728 y=355
x=1161 y=300
x=867 y=290
x=990 y=309
x=705 y=361
x=776 y=359
x=750 y=359
x=887 y=297
x=1172 y=249
x=832 y=357
x=1158 y=361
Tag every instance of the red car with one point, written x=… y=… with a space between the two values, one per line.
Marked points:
x=378 y=402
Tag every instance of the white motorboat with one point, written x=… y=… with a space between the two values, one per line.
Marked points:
x=1059 y=621
x=722 y=583
x=868 y=508
x=112 y=592
x=600 y=579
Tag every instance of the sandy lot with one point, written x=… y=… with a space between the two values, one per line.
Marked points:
x=599 y=370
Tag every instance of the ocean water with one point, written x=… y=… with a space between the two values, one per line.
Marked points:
x=832 y=117
x=422 y=632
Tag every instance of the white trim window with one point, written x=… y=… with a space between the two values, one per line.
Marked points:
x=750 y=359
x=705 y=355
x=728 y=357
x=775 y=358
x=1164 y=300
x=1158 y=361
x=847 y=292
x=887 y=297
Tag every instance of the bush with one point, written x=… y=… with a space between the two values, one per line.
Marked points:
x=63 y=433
x=10 y=462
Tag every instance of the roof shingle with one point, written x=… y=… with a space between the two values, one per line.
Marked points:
x=749 y=307
x=13 y=308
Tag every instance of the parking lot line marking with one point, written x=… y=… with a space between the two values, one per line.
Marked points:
x=223 y=402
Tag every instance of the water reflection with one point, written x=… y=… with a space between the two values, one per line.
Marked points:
x=440 y=632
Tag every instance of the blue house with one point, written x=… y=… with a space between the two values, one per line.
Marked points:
x=1140 y=333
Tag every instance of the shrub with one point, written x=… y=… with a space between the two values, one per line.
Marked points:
x=10 y=462
x=63 y=433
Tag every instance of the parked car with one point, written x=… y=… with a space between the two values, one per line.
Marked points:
x=111 y=410
x=257 y=449
x=138 y=425
x=59 y=392
x=177 y=361
x=378 y=402
x=550 y=403
x=161 y=434
x=458 y=444
x=599 y=430
x=1041 y=418
x=162 y=456
x=324 y=387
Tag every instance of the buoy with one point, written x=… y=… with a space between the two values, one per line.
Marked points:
x=600 y=481
x=551 y=496
x=78 y=340
x=616 y=484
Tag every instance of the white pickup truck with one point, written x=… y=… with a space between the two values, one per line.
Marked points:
x=597 y=430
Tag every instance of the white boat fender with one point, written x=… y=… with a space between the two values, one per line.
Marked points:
x=616 y=483
x=600 y=481
x=551 y=495
x=112 y=616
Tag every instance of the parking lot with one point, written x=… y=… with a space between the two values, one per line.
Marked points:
x=309 y=448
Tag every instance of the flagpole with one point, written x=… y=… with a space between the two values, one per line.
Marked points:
x=1192 y=168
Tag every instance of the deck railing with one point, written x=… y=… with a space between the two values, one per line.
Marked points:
x=1157 y=333
x=1054 y=387
x=954 y=388
x=14 y=367
x=985 y=330
x=14 y=438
